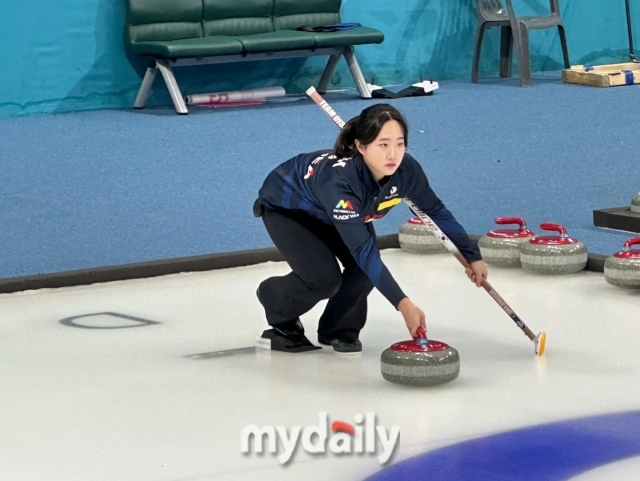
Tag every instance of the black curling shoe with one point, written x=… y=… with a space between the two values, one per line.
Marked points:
x=345 y=341
x=286 y=337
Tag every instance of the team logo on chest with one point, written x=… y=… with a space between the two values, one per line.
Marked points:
x=391 y=199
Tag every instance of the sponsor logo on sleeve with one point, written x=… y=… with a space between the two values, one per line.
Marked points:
x=344 y=211
x=344 y=204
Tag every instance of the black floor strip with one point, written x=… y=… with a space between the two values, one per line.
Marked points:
x=210 y=262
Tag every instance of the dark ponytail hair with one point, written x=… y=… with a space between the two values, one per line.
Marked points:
x=366 y=127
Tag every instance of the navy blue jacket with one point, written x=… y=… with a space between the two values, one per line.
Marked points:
x=344 y=193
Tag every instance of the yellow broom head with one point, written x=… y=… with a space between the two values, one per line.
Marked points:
x=540 y=341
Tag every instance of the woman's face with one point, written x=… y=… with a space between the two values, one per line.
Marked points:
x=384 y=155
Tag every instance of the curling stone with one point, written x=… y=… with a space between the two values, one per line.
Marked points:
x=553 y=254
x=420 y=362
x=635 y=203
x=623 y=268
x=501 y=247
x=414 y=236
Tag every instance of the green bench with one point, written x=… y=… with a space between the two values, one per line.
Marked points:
x=176 y=33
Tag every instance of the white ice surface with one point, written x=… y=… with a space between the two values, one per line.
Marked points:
x=127 y=404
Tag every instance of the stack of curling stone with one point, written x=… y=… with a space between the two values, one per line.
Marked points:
x=501 y=247
x=553 y=254
x=420 y=362
x=635 y=203
x=414 y=236
x=623 y=268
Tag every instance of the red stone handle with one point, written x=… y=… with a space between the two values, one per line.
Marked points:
x=554 y=227
x=511 y=220
x=422 y=340
x=631 y=242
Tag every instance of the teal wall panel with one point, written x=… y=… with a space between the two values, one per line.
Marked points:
x=69 y=55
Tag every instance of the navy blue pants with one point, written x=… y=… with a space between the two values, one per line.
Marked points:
x=312 y=250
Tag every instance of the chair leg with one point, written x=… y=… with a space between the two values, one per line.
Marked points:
x=145 y=87
x=565 y=50
x=352 y=62
x=506 y=51
x=172 y=86
x=328 y=73
x=475 y=66
x=524 y=60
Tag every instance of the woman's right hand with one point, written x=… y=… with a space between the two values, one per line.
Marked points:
x=413 y=316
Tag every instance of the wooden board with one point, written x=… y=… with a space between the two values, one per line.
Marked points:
x=603 y=75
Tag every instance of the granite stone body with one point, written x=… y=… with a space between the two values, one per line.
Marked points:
x=623 y=268
x=404 y=363
x=554 y=254
x=501 y=247
x=501 y=252
x=414 y=236
x=566 y=259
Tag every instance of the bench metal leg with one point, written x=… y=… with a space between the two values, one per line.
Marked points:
x=145 y=88
x=356 y=72
x=328 y=73
x=172 y=86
